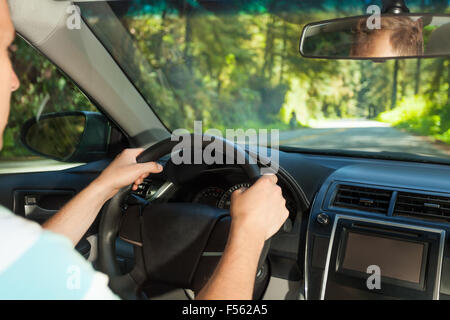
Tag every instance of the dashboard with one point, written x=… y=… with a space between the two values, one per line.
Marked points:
x=380 y=217
x=214 y=187
x=348 y=214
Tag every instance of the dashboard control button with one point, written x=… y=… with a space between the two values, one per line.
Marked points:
x=323 y=219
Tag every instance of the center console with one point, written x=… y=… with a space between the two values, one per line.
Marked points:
x=377 y=239
x=407 y=260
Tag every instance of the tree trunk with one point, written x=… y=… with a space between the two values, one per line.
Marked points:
x=448 y=81
x=161 y=36
x=394 y=86
x=419 y=61
x=187 y=39
x=417 y=82
x=283 y=54
x=268 y=52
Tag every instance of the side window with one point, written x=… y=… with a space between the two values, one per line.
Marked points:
x=43 y=90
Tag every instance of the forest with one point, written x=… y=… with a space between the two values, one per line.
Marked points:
x=238 y=66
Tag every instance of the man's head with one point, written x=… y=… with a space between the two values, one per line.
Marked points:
x=397 y=36
x=8 y=79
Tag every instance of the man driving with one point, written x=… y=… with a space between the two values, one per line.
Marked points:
x=35 y=260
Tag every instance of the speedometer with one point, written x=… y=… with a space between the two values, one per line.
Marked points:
x=209 y=196
x=225 y=201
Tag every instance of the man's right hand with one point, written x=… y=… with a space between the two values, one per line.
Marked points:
x=257 y=214
x=259 y=211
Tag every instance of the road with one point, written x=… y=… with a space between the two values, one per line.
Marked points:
x=362 y=135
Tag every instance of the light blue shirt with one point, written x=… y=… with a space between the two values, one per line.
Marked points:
x=38 y=264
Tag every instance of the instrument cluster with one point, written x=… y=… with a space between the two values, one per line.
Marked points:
x=218 y=197
x=215 y=187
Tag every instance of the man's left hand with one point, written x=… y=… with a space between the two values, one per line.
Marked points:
x=124 y=170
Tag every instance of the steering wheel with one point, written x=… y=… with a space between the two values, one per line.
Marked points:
x=177 y=244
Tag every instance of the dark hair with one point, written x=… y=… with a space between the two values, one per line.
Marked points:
x=406 y=37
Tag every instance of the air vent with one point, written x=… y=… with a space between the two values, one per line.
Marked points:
x=422 y=206
x=362 y=198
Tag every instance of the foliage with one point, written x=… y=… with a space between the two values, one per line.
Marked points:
x=240 y=68
x=231 y=68
x=412 y=114
x=428 y=113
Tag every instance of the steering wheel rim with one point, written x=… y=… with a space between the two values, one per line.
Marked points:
x=127 y=286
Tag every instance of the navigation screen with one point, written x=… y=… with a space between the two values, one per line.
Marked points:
x=397 y=259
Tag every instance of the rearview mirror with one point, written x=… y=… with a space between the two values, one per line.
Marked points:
x=68 y=136
x=389 y=37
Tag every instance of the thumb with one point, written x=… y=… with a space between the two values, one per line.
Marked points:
x=150 y=167
x=135 y=152
x=237 y=193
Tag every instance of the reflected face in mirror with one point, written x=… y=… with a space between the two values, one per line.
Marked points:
x=379 y=46
x=395 y=37
x=386 y=37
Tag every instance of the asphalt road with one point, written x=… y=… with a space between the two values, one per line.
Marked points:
x=362 y=135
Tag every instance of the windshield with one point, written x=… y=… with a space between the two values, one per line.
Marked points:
x=236 y=64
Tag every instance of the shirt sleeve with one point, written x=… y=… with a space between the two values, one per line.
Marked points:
x=38 y=264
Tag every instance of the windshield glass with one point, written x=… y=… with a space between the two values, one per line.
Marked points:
x=236 y=64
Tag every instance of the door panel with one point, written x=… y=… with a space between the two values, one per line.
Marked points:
x=52 y=189
x=40 y=205
x=14 y=186
x=38 y=196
